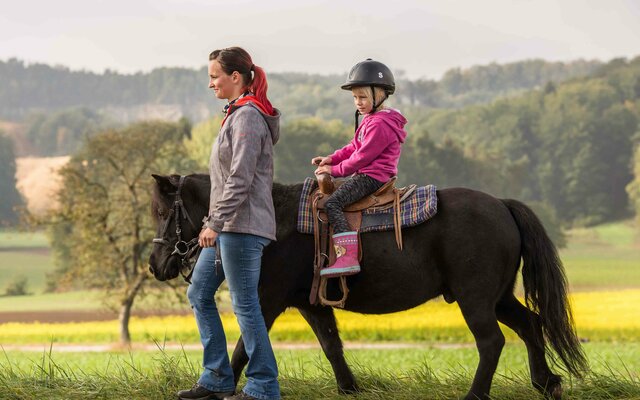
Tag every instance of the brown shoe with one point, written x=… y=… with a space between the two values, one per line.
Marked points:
x=198 y=392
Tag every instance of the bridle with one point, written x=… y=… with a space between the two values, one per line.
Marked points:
x=186 y=250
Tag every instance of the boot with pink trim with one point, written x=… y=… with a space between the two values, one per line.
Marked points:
x=346 y=246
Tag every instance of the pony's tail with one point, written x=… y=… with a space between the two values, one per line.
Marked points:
x=545 y=288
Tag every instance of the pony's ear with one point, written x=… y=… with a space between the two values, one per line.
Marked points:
x=164 y=183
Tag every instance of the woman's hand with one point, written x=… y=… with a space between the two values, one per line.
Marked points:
x=207 y=237
x=320 y=161
x=323 y=169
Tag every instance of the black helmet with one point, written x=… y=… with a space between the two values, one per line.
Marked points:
x=370 y=73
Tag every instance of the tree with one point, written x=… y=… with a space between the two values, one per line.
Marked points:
x=62 y=132
x=633 y=188
x=303 y=139
x=17 y=286
x=104 y=202
x=198 y=145
x=10 y=197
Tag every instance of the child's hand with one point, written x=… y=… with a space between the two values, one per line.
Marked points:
x=320 y=161
x=324 y=169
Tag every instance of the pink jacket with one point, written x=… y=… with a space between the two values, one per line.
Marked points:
x=375 y=149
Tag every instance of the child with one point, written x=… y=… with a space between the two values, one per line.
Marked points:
x=369 y=160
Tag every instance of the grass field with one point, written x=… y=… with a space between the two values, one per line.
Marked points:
x=602 y=263
x=603 y=257
x=24 y=254
x=422 y=373
x=9 y=238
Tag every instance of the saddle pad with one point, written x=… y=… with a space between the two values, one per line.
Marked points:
x=418 y=207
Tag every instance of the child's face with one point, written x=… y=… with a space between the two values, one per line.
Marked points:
x=362 y=101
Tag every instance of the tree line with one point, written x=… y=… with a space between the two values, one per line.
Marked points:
x=566 y=145
x=567 y=148
x=42 y=88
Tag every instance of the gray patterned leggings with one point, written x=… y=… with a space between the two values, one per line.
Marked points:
x=353 y=189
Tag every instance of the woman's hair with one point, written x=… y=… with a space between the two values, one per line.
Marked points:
x=237 y=59
x=366 y=91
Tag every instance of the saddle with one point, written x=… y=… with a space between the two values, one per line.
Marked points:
x=384 y=198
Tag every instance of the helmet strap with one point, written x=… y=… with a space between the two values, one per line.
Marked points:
x=373 y=98
x=357 y=120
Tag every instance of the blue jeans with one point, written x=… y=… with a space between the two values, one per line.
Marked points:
x=241 y=258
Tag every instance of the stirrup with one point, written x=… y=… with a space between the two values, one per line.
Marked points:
x=322 y=292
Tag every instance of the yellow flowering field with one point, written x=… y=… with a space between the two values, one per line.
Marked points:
x=600 y=316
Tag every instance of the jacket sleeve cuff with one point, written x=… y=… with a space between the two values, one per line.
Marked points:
x=215 y=226
x=335 y=170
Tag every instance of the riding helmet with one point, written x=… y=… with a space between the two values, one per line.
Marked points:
x=370 y=73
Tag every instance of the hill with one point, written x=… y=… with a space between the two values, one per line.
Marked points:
x=170 y=93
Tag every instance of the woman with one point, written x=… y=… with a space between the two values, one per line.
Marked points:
x=241 y=222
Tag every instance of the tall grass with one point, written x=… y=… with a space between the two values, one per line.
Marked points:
x=128 y=377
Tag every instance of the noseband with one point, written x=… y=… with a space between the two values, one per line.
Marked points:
x=186 y=250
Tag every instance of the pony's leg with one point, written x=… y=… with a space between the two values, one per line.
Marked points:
x=239 y=358
x=483 y=323
x=323 y=322
x=527 y=325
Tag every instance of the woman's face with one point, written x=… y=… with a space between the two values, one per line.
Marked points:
x=225 y=86
x=362 y=101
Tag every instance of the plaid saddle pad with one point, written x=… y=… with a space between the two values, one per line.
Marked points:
x=418 y=207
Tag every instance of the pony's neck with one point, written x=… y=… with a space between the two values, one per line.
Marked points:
x=199 y=188
x=285 y=201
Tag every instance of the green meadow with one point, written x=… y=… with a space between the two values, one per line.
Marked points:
x=417 y=373
x=601 y=258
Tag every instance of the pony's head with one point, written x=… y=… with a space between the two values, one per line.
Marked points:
x=178 y=206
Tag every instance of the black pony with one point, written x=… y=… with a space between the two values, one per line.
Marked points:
x=469 y=252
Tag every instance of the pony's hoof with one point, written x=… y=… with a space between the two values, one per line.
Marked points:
x=349 y=389
x=556 y=391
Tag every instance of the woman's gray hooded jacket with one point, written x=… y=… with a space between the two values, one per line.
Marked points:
x=241 y=173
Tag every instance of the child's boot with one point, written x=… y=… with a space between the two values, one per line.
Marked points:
x=346 y=246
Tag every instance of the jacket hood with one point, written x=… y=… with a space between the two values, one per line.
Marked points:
x=273 y=121
x=393 y=119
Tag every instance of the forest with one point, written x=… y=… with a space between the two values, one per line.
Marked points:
x=560 y=136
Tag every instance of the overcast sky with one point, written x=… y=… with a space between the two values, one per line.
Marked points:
x=423 y=38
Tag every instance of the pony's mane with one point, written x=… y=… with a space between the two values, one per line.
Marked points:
x=158 y=198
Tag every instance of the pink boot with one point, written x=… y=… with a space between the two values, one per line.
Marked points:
x=346 y=245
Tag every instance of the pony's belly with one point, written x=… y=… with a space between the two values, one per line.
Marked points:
x=370 y=293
